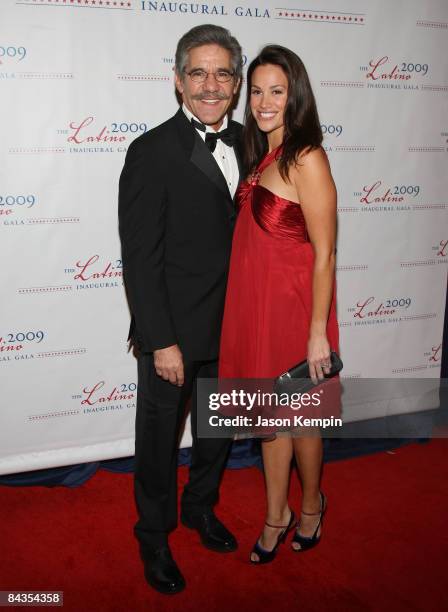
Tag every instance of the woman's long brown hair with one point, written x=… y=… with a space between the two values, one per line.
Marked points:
x=302 y=126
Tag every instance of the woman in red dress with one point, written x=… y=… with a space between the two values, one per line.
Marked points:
x=280 y=303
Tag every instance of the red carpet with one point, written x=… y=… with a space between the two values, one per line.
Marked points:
x=384 y=544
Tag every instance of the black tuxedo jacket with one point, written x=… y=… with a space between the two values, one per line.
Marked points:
x=176 y=218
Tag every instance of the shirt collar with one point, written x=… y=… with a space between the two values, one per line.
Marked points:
x=190 y=116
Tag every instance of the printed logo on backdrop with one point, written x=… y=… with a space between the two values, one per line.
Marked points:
x=374 y=310
x=105 y=397
x=385 y=72
x=100 y=397
x=96 y=273
x=26 y=345
x=90 y=135
x=23 y=210
x=438 y=255
x=380 y=196
x=389 y=72
x=430 y=359
x=88 y=273
x=334 y=140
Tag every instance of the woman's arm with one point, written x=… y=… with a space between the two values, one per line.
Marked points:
x=317 y=195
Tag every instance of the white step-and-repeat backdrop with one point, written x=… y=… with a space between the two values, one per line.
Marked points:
x=80 y=79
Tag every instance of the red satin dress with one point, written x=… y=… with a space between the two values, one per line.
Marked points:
x=269 y=295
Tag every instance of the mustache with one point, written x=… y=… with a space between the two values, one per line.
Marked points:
x=219 y=95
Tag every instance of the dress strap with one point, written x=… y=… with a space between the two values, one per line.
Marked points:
x=254 y=178
x=269 y=158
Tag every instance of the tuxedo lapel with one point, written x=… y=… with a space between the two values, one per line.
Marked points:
x=202 y=158
x=200 y=155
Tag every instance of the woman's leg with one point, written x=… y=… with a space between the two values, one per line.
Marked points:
x=308 y=454
x=277 y=456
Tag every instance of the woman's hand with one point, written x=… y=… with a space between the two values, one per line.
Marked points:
x=319 y=361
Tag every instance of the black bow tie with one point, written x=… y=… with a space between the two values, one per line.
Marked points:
x=211 y=138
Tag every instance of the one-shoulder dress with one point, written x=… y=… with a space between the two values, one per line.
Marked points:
x=269 y=293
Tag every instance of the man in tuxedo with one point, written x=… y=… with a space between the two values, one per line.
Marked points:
x=176 y=217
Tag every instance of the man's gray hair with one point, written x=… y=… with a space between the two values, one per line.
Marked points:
x=208 y=34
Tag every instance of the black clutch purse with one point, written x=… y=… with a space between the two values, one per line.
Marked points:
x=297 y=379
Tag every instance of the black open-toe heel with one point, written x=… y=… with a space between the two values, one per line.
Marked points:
x=266 y=556
x=311 y=541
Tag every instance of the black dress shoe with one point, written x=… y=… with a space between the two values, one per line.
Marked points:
x=212 y=532
x=162 y=573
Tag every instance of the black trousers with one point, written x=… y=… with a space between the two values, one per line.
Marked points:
x=160 y=414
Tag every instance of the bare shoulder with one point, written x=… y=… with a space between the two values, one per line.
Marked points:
x=311 y=176
x=311 y=163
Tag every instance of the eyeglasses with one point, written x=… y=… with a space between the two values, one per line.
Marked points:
x=199 y=76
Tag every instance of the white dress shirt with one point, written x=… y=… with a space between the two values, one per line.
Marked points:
x=224 y=155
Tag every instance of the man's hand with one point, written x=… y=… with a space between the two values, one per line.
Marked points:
x=169 y=364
